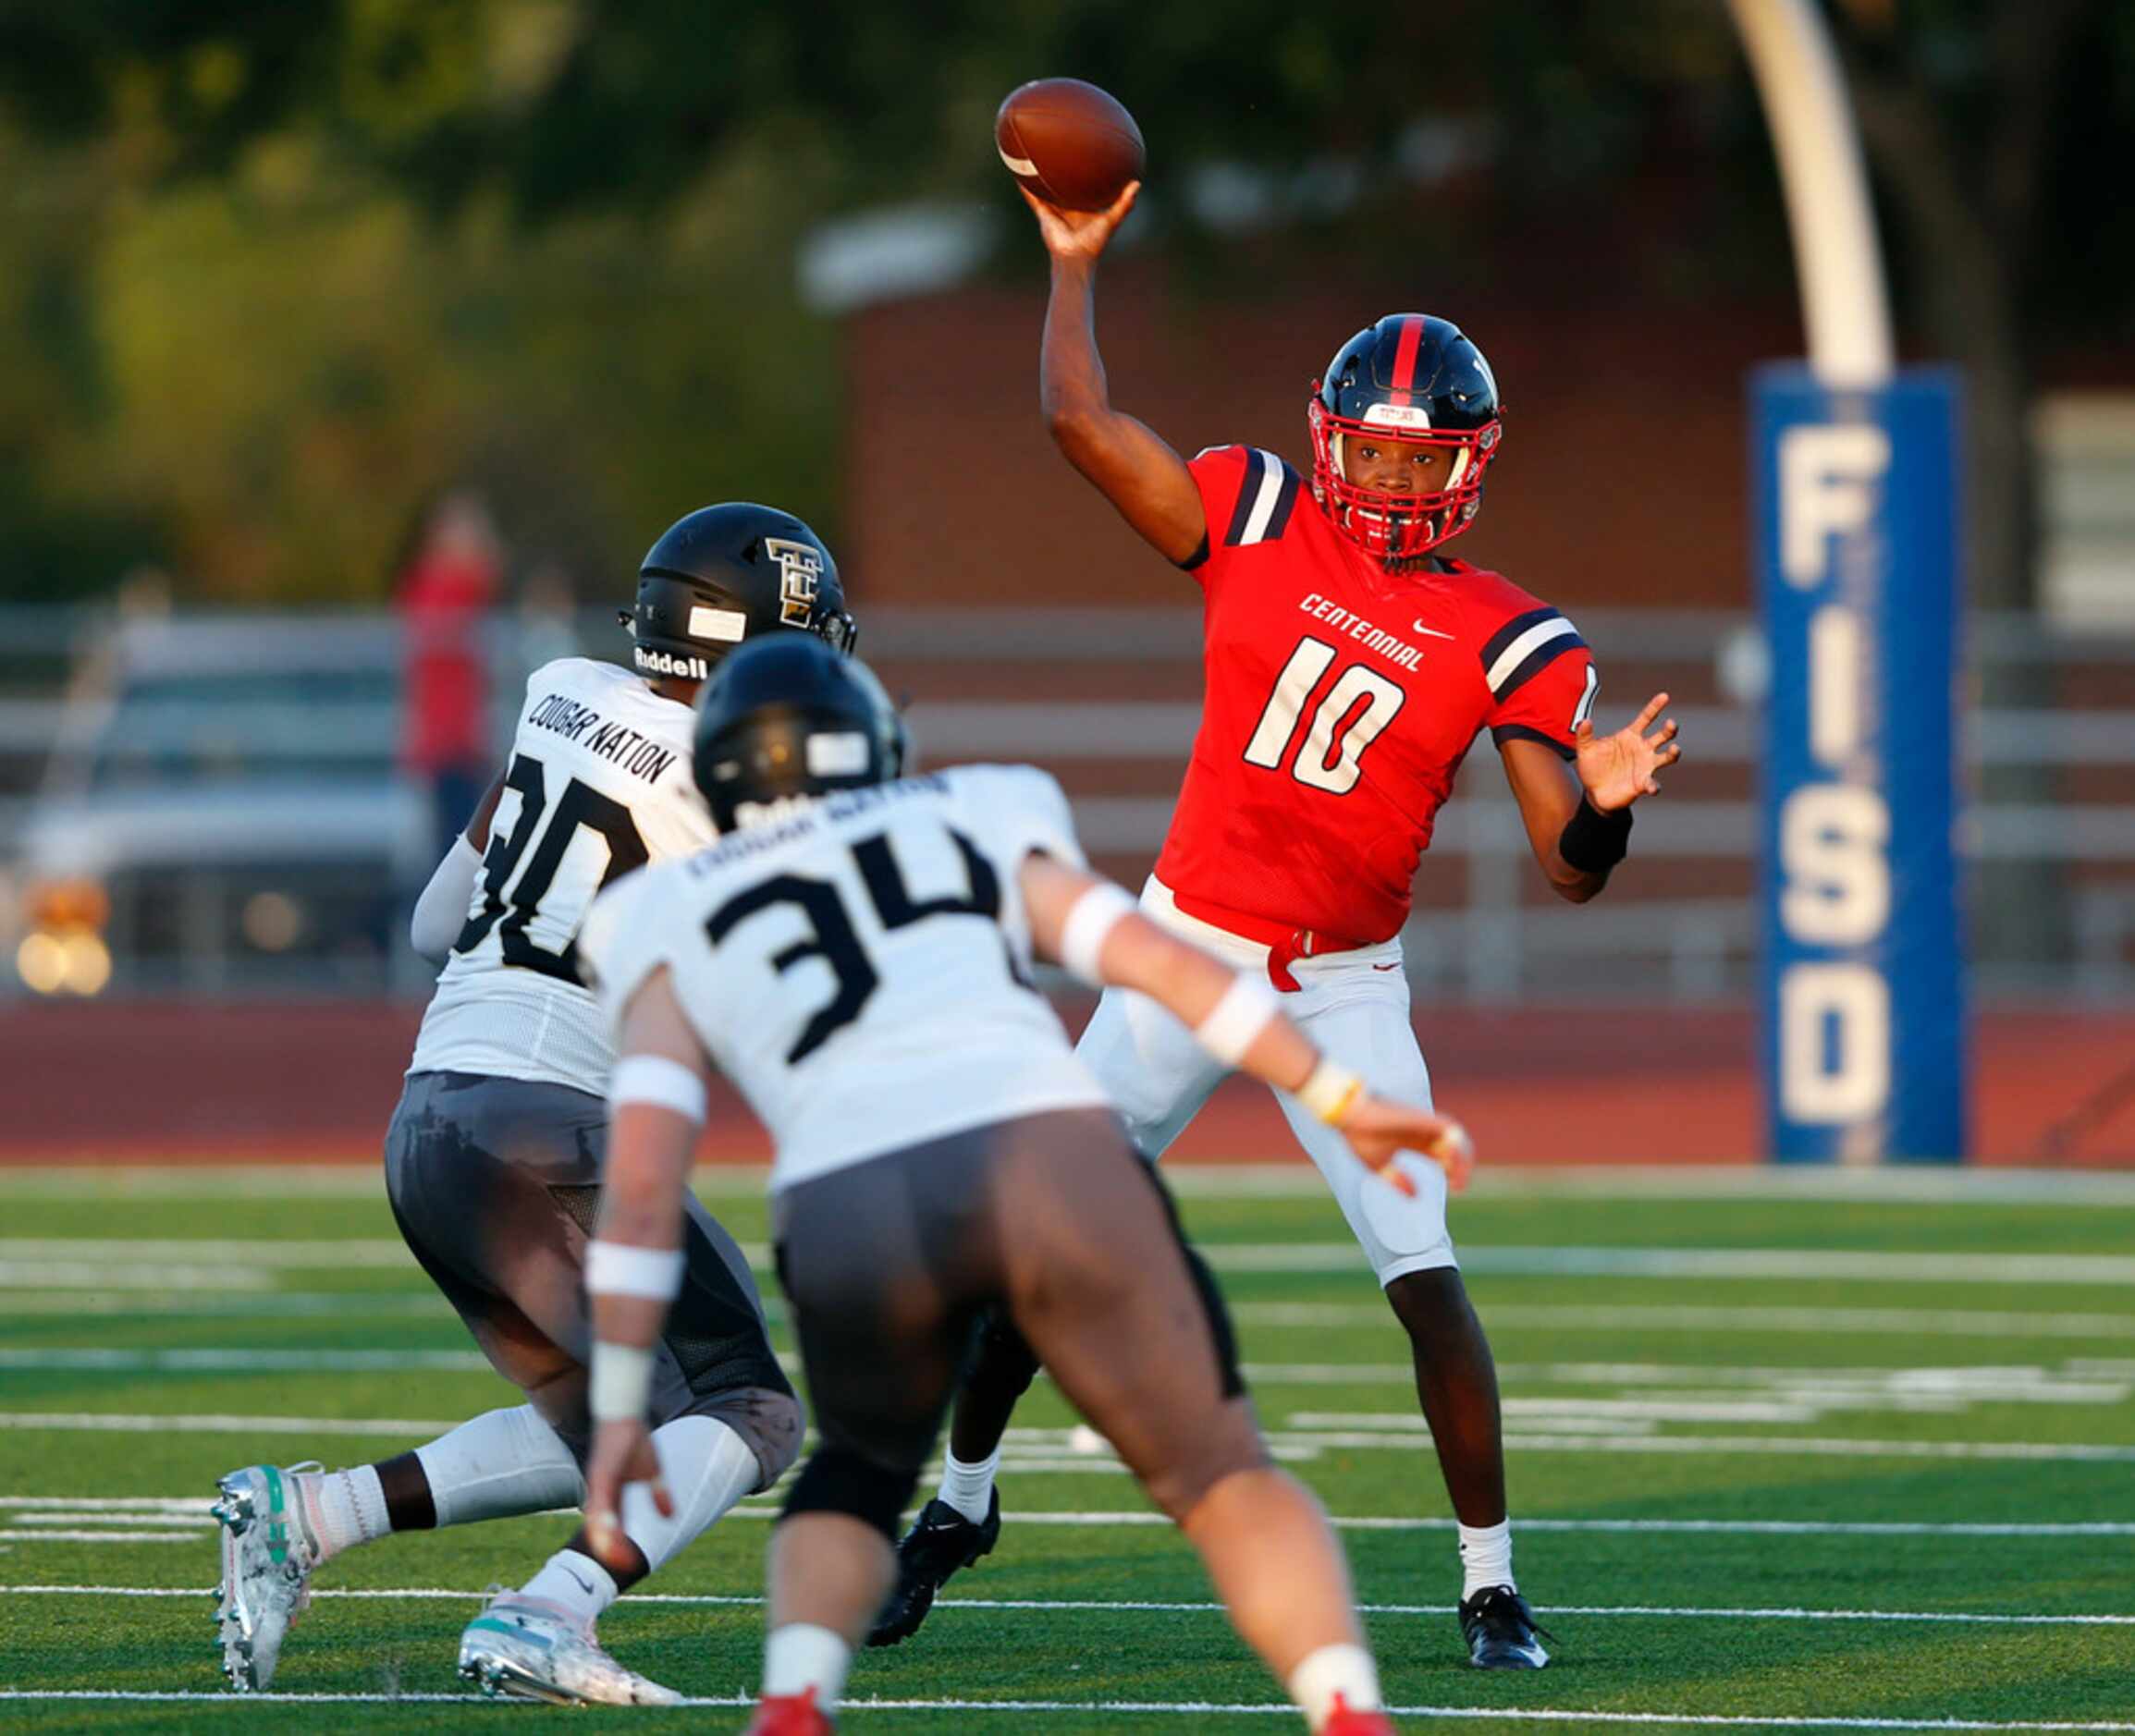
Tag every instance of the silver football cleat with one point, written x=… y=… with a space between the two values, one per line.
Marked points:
x=526 y=1648
x=268 y=1553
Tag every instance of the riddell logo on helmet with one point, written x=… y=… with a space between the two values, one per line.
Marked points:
x=667 y=663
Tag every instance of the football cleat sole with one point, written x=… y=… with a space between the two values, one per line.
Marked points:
x=500 y=1678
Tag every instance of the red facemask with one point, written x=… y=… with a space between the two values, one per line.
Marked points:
x=1396 y=529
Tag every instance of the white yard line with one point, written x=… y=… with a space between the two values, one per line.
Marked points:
x=1763 y=1445
x=262 y=1304
x=187 y=1509
x=124 y=1422
x=101 y=1536
x=220 y=1299
x=302 y=1360
x=1856 y=1264
x=1302 y=1441
x=100 y=1274
x=2087 y=1381
x=1139 y=1606
x=63 y=1262
x=1184 y=1709
x=1779 y=1321
x=252 y=1251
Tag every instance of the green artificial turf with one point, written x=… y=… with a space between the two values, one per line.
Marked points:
x=1980 y=1394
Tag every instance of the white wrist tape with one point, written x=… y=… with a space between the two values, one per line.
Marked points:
x=654 y=1079
x=617 y=1268
x=1330 y=1090
x=622 y=1385
x=1233 y=1022
x=1089 y=924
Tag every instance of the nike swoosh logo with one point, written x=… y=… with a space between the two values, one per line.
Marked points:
x=1431 y=631
x=584 y=1585
x=1386 y=967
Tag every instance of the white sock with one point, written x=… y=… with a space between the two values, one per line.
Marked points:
x=1486 y=1557
x=800 y=1656
x=1334 y=1672
x=500 y=1465
x=706 y=1467
x=345 y=1508
x=969 y=1489
x=577 y=1582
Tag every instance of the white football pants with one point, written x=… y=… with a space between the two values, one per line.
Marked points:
x=1355 y=1006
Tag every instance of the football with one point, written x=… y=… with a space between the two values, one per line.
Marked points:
x=1069 y=142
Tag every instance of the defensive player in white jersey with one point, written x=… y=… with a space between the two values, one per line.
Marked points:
x=854 y=955
x=493 y=1158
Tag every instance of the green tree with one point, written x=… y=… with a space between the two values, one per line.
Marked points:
x=289 y=266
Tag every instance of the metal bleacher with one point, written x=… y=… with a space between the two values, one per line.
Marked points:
x=1110 y=700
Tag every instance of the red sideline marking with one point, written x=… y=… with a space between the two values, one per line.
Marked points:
x=132 y=1082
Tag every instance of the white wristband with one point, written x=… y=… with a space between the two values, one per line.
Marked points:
x=1330 y=1090
x=617 y=1268
x=1089 y=924
x=621 y=1384
x=663 y=1083
x=1248 y=1007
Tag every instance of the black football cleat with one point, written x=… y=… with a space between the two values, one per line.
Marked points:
x=1502 y=1631
x=940 y=1541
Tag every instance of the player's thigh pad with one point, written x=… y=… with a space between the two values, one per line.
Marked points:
x=887 y=1264
x=470 y=1166
x=1365 y=1025
x=1150 y=1066
x=495 y=1184
x=1132 y=1331
x=715 y=1357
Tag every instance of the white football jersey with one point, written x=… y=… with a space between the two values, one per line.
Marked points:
x=861 y=969
x=598 y=784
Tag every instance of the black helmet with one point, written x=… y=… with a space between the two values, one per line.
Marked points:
x=727 y=573
x=1409 y=377
x=786 y=716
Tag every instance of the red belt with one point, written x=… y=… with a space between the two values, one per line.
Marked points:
x=1286 y=943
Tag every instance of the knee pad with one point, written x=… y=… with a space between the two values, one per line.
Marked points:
x=1002 y=1364
x=838 y=1480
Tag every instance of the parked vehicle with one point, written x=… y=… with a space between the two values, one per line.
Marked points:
x=222 y=809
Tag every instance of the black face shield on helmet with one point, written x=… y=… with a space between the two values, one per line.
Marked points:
x=727 y=573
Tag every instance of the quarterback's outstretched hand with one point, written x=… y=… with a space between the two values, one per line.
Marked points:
x=1618 y=769
x=1079 y=233
x=622 y=1453
x=1378 y=1132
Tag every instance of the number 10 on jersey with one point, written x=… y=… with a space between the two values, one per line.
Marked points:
x=1359 y=706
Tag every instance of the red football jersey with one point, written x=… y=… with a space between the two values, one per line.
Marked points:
x=1340 y=702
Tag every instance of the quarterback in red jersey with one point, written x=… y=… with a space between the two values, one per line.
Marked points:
x=1349 y=666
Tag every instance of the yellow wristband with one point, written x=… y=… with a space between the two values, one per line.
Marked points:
x=1330 y=1092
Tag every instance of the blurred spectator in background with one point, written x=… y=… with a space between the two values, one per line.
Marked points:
x=443 y=594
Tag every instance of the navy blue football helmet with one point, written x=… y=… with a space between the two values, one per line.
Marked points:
x=1409 y=377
